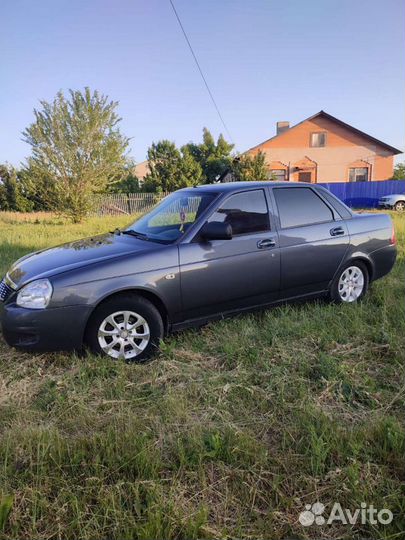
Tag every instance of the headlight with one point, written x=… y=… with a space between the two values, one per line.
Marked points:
x=35 y=295
x=10 y=282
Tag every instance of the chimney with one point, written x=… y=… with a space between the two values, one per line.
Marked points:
x=282 y=126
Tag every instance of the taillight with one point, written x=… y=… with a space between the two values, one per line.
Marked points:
x=393 y=238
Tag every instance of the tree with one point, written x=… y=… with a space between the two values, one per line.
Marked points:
x=128 y=184
x=170 y=168
x=13 y=196
x=213 y=158
x=77 y=151
x=399 y=171
x=250 y=168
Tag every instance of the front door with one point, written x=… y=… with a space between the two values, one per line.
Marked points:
x=226 y=275
x=313 y=240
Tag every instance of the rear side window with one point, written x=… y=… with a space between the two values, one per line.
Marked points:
x=300 y=206
x=336 y=203
x=246 y=212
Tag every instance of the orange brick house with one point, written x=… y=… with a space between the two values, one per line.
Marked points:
x=141 y=170
x=322 y=148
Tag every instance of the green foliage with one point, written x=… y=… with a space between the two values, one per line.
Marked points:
x=250 y=168
x=170 y=168
x=6 y=504
x=13 y=192
x=77 y=151
x=399 y=171
x=128 y=184
x=213 y=158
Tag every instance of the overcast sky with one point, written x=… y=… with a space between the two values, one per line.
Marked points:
x=265 y=60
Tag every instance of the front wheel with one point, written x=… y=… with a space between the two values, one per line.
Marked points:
x=400 y=206
x=125 y=328
x=351 y=284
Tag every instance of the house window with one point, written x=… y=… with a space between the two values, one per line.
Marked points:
x=318 y=140
x=304 y=177
x=279 y=175
x=358 y=174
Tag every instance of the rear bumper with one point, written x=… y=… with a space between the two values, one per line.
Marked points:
x=53 y=329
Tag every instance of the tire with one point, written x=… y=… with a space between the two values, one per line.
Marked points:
x=125 y=328
x=400 y=206
x=351 y=283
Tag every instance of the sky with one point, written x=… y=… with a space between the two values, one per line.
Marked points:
x=264 y=60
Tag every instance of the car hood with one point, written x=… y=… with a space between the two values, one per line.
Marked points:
x=49 y=262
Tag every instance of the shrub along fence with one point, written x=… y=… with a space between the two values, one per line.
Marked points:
x=364 y=194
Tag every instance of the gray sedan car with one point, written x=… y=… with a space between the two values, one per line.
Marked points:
x=202 y=253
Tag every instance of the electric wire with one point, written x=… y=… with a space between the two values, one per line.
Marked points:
x=201 y=72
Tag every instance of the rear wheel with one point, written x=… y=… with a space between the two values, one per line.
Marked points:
x=351 y=284
x=400 y=206
x=125 y=328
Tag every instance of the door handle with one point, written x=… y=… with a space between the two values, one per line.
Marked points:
x=266 y=243
x=337 y=231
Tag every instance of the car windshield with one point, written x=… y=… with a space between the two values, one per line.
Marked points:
x=172 y=217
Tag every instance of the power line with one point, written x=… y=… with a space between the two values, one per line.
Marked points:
x=201 y=71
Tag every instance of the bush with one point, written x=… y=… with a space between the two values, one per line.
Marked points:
x=13 y=196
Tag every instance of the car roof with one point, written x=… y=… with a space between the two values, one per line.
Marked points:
x=227 y=187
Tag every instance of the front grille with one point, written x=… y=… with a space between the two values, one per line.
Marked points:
x=5 y=291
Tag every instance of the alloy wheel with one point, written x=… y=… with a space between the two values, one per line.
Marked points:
x=351 y=284
x=123 y=334
x=400 y=206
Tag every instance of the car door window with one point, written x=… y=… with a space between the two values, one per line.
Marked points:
x=300 y=206
x=246 y=212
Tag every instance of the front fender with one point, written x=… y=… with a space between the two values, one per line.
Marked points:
x=89 y=286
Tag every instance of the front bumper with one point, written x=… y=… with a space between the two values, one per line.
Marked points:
x=385 y=204
x=50 y=329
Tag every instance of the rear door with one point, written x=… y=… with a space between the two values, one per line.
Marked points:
x=313 y=240
x=224 y=275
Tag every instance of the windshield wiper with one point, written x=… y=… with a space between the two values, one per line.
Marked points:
x=141 y=236
x=137 y=234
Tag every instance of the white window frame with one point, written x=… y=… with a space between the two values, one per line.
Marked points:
x=355 y=169
x=311 y=142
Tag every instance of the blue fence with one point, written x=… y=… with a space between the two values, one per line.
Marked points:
x=364 y=194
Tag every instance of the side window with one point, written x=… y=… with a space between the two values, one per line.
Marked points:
x=337 y=204
x=300 y=206
x=246 y=212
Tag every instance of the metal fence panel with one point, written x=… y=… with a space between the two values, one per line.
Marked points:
x=364 y=194
x=114 y=204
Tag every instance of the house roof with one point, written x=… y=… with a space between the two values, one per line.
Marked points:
x=141 y=169
x=324 y=114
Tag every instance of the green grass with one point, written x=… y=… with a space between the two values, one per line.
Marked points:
x=228 y=433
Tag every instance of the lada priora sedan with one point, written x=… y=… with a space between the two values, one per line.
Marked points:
x=202 y=253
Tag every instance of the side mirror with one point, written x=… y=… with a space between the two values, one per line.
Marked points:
x=216 y=230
